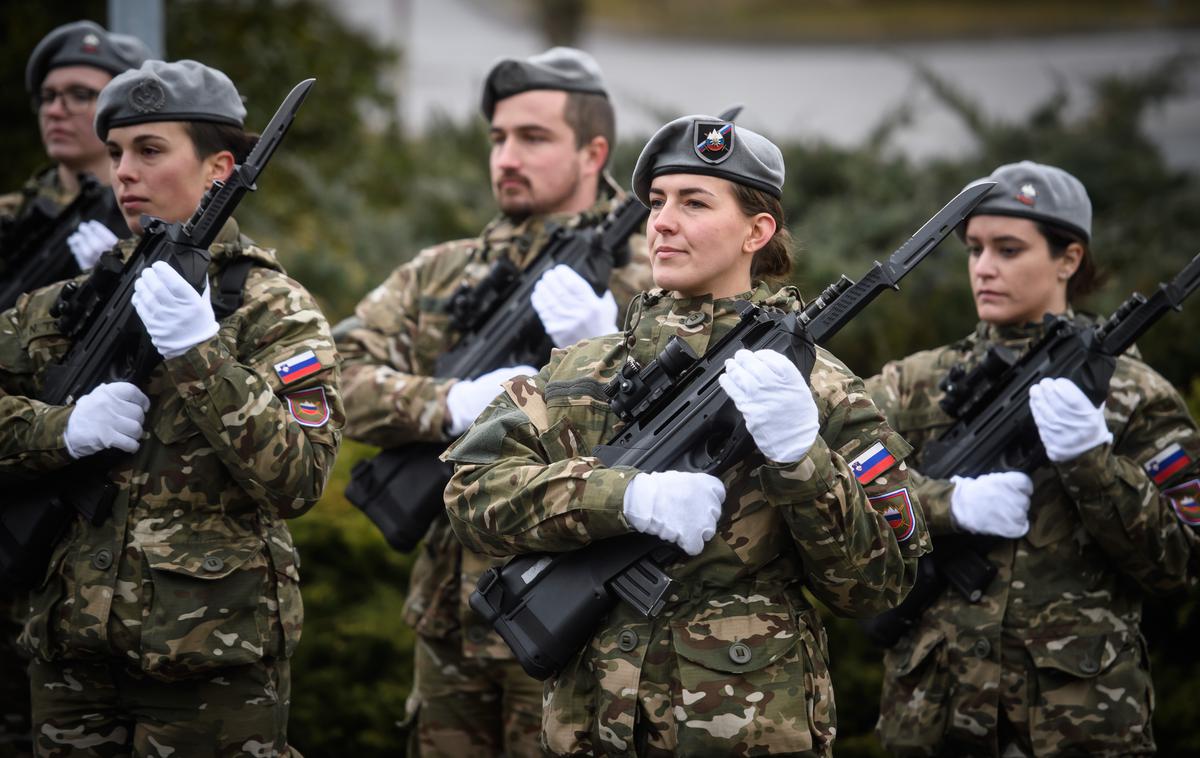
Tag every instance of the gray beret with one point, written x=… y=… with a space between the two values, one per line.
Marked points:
x=1038 y=192
x=707 y=145
x=160 y=91
x=83 y=43
x=561 y=68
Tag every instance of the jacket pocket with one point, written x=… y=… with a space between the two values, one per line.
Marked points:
x=210 y=606
x=914 y=708
x=1102 y=680
x=743 y=685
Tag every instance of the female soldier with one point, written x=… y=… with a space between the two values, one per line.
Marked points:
x=736 y=662
x=1050 y=661
x=166 y=629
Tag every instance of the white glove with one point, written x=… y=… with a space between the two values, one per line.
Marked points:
x=468 y=397
x=89 y=240
x=109 y=416
x=1067 y=422
x=775 y=400
x=177 y=317
x=569 y=309
x=992 y=504
x=678 y=506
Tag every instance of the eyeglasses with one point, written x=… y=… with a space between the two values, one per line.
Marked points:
x=74 y=99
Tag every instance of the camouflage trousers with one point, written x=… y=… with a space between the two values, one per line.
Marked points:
x=942 y=701
x=465 y=707
x=14 y=683
x=102 y=708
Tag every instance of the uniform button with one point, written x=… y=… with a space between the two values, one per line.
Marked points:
x=1089 y=666
x=739 y=653
x=212 y=564
x=476 y=634
x=102 y=559
x=694 y=319
x=982 y=648
x=627 y=640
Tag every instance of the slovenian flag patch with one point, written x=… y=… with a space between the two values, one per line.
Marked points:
x=1162 y=466
x=873 y=462
x=297 y=367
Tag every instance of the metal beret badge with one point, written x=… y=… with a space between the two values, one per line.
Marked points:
x=147 y=96
x=713 y=140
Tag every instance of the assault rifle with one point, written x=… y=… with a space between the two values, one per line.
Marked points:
x=994 y=430
x=109 y=343
x=400 y=489
x=546 y=606
x=36 y=245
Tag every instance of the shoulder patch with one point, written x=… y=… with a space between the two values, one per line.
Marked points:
x=1172 y=459
x=871 y=463
x=896 y=507
x=1185 y=499
x=298 y=366
x=309 y=407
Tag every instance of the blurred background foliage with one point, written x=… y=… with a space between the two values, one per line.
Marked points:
x=351 y=195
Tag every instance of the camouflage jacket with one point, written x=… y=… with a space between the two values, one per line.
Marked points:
x=43 y=184
x=737 y=662
x=195 y=568
x=1064 y=608
x=399 y=331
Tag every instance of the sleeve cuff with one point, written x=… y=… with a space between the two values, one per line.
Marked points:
x=806 y=479
x=52 y=425
x=1094 y=471
x=192 y=371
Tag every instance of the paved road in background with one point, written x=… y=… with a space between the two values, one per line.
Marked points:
x=836 y=93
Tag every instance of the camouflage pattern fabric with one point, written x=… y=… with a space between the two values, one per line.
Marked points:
x=194 y=572
x=1051 y=660
x=737 y=662
x=398 y=332
x=14 y=682
x=101 y=709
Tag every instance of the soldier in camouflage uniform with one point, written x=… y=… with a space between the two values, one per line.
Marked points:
x=1050 y=661
x=167 y=629
x=736 y=663
x=65 y=72
x=551 y=129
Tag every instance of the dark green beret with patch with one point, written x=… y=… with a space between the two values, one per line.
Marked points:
x=83 y=43
x=560 y=68
x=707 y=145
x=160 y=91
x=1037 y=192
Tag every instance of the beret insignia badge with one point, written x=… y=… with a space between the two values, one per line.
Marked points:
x=89 y=44
x=713 y=140
x=147 y=96
x=1028 y=194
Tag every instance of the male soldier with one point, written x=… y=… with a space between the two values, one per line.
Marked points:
x=551 y=131
x=167 y=627
x=66 y=71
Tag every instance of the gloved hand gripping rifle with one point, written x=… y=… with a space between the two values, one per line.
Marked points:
x=546 y=606
x=109 y=343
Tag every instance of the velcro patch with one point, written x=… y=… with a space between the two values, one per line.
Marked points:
x=309 y=407
x=297 y=367
x=874 y=461
x=1185 y=498
x=896 y=507
x=1172 y=459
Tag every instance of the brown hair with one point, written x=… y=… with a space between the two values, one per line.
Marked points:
x=1087 y=277
x=590 y=115
x=774 y=259
x=209 y=138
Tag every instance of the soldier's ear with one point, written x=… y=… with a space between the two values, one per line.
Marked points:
x=219 y=165
x=1068 y=264
x=595 y=154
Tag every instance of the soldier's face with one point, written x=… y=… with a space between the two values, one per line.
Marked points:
x=535 y=165
x=700 y=240
x=66 y=114
x=156 y=171
x=1014 y=278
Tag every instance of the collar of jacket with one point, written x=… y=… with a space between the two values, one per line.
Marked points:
x=698 y=321
x=522 y=240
